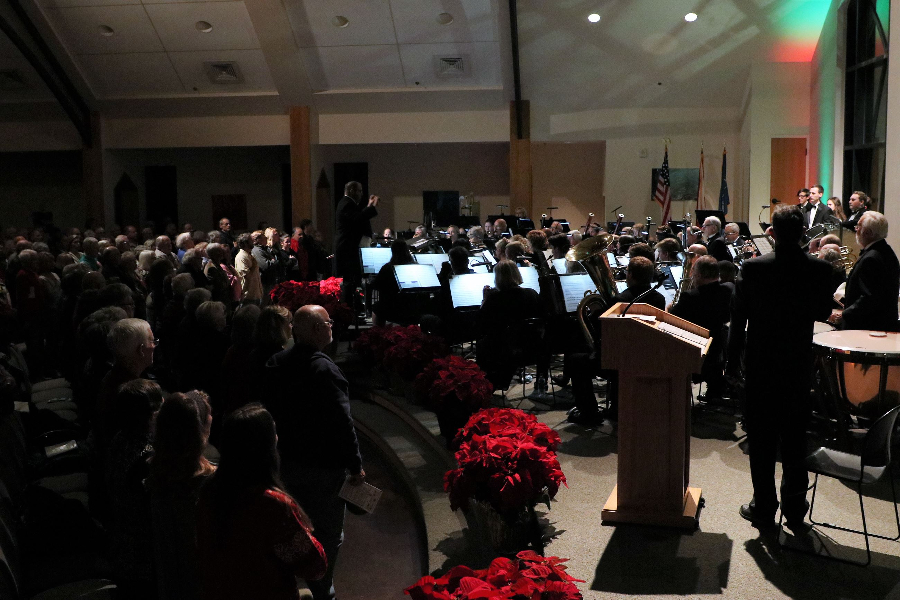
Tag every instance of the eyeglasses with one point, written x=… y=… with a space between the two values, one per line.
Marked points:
x=329 y=322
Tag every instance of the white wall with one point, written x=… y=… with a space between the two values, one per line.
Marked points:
x=408 y=128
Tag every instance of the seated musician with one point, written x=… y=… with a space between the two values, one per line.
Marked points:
x=488 y=229
x=517 y=252
x=502 y=318
x=829 y=239
x=388 y=307
x=500 y=228
x=623 y=243
x=641 y=249
x=521 y=213
x=420 y=234
x=388 y=238
x=707 y=304
x=834 y=258
x=727 y=271
x=537 y=240
x=458 y=265
x=715 y=242
x=666 y=250
x=859 y=203
x=639 y=278
x=556 y=227
x=453 y=233
x=697 y=250
x=559 y=246
x=476 y=238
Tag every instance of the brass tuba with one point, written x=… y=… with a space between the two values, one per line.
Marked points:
x=848 y=259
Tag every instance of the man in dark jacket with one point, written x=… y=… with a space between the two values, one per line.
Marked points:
x=870 y=300
x=778 y=299
x=353 y=222
x=858 y=204
x=308 y=398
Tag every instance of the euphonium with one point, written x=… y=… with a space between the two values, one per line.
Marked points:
x=848 y=258
x=685 y=283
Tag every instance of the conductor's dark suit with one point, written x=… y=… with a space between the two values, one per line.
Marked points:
x=778 y=298
x=870 y=300
x=352 y=224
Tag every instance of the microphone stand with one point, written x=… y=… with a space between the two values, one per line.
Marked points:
x=641 y=296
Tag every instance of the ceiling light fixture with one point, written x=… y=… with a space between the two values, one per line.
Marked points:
x=690 y=17
x=445 y=18
x=203 y=26
x=340 y=21
x=594 y=18
x=106 y=31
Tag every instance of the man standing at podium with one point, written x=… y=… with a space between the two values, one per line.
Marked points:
x=777 y=300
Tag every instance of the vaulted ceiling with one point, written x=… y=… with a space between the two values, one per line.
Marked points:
x=173 y=57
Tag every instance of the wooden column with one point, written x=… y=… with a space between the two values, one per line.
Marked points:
x=520 y=160
x=92 y=174
x=301 y=182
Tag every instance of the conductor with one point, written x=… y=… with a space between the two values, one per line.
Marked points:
x=353 y=222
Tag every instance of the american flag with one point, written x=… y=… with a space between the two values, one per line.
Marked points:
x=663 y=193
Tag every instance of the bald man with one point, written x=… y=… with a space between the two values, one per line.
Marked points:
x=309 y=400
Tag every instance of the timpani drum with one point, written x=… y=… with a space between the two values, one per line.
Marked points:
x=861 y=367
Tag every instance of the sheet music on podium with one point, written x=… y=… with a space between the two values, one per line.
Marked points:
x=573 y=288
x=416 y=277
x=435 y=260
x=373 y=259
x=468 y=290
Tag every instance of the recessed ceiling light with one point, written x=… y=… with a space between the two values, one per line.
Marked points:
x=106 y=31
x=690 y=17
x=340 y=21
x=594 y=18
x=445 y=18
x=203 y=26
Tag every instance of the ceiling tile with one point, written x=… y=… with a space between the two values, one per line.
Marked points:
x=416 y=21
x=419 y=64
x=71 y=3
x=368 y=22
x=251 y=63
x=34 y=89
x=117 y=75
x=79 y=29
x=353 y=67
x=176 y=24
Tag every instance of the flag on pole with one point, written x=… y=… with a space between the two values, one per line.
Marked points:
x=700 y=199
x=724 y=201
x=663 y=194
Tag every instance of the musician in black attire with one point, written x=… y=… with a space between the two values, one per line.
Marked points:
x=502 y=318
x=639 y=277
x=389 y=307
x=858 y=204
x=814 y=212
x=870 y=299
x=353 y=222
x=708 y=304
x=780 y=296
x=715 y=241
x=537 y=239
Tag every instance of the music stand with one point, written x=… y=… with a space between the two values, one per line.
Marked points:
x=743 y=228
x=574 y=286
x=467 y=291
x=416 y=278
x=530 y=278
x=435 y=260
x=372 y=259
x=611 y=225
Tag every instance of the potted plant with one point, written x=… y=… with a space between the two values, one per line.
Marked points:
x=454 y=388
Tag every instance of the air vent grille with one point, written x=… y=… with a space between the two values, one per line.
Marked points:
x=11 y=80
x=224 y=72
x=452 y=67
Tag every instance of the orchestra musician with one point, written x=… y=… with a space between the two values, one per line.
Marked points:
x=666 y=250
x=858 y=204
x=388 y=307
x=837 y=208
x=476 y=238
x=500 y=228
x=537 y=240
x=715 y=242
x=639 y=278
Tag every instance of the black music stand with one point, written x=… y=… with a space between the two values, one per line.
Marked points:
x=611 y=225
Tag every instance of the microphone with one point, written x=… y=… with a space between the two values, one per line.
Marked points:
x=766 y=206
x=641 y=296
x=613 y=211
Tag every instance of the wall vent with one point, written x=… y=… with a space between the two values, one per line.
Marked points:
x=11 y=80
x=453 y=66
x=223 y=72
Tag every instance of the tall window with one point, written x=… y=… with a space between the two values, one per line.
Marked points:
x=865 y=98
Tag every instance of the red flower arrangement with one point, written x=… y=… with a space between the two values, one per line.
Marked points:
x=411 y=350
x=508 y=422
x=509 y=471
x=294 y=294
x=454 y=381
x=528 y=577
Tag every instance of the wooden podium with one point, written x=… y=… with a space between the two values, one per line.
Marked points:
x=655 y=354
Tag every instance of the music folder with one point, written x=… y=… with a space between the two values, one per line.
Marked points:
x=574 y=286
x=373 y=259
x=416 y=278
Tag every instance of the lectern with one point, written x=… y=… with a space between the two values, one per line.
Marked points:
x=655 y=354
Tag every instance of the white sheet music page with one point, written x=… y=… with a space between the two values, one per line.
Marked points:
x=374 y=258
x=468 y=290
x=530 y=278
x=560 y=265
x=574 y=287
x=687 y=336
x=435 y=260
x=416 y=276
x=363 y=495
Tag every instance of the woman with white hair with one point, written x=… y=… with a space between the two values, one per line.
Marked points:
x=183 y=243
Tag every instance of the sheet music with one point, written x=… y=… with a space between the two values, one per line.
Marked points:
x=763 y=245
x=573 y=289
x=677 y=272
x=374 y=258
x=560 y=265
x=489 y=256
x=548 y=254
x=416 y=277
x=363 y=495
x=474 y=260
x=621 y=286
x=687 y=336
x=530 y=278
x=468 y=290
x=435 y=260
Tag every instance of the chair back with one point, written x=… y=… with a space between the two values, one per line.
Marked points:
x=877 y=446
x=528 y=340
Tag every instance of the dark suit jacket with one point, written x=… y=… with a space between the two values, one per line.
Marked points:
x=708 y=306
x=716 y=247
x=777 y=299
x=852 y=220
x=308 y=397
x=654 y=298
x=823 y=215
x=870 y=300
x=352 y=224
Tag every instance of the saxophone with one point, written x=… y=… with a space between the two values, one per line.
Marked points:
x=685 y=283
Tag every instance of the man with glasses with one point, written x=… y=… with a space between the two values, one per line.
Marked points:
x=715 y=243
x=308 y=397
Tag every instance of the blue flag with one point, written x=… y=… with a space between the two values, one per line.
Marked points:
x=724 y=201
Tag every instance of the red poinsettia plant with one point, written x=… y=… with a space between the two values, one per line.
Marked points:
x=511 y=471
x=294 y=294
x=454 y=381
x=508 y=422
x=412 y=350
x=374 y=342
x=528 y=577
